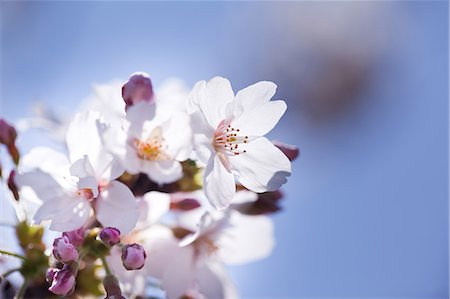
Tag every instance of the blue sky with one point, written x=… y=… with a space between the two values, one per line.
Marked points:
x=366 y=209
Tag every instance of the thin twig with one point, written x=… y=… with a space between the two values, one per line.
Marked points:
x=12 y=254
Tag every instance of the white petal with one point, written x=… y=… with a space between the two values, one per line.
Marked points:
x=43 y=184
x=84 y=138
x=116 y=142
x=82 y=168
x=171 y=96
x=158 y=204
x=214 y=281
x=247 y=239
x=66 y=213
x=45 y=159
x=219 y=184
x=117 y=207
x=162 y=172
x=138 y=115
x=177 y=134
x=212 y=99
x=261 y=119
x=245 y=196
x=256 y=95
x=263 y=167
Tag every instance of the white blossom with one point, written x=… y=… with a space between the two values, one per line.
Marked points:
x=228 y=136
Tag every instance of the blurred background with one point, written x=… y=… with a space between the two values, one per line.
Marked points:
x=366 y=208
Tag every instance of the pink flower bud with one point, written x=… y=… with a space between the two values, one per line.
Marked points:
x=110 y=236
x=290 y=151
x=133 y=256
x=64 y=251
x=7 y=133
x=137 y=89
x=63 y=282
x=12 y=185
x=76 y=237
x=185 y=204
x=51 y=272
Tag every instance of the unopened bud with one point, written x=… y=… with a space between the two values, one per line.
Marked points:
x=185 y=204
x=64 y=251
x=12 y=184
x=51 y=272
x=7 y=133
x=290 y=151
x=63 y=282
x=133 y=256
x=110 y=236
x=138 y=88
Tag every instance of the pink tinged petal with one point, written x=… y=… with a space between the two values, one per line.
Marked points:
x=137 y=89
x=63 y=282
x=162 y=172
x=82 y=169
x=133 y=256
x=213 y=98
x=66 y=213
x=64 y=251
x=117 y=207
x=219 y=184
x=263 y=167
x=291 y=151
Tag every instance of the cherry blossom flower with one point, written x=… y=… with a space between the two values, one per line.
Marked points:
x=228 y=136
x=152 y=143
x=69 y=193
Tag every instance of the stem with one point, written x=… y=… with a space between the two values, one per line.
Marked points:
x=4 y=275
x=21 y=293
x=12 y=254
x=105 y=265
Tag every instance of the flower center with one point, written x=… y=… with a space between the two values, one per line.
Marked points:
x=152 y=148
x=86 y=193
x=227 y=139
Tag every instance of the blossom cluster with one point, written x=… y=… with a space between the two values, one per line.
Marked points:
x=157 y=189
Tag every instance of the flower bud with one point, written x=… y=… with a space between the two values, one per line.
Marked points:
x=64 y=251
x=137 y=89
x=63 y=282
x=133 y=256
x=76 y=237
x=7 y=133
x=185 y=204
x=110 y=236
x=290 y=151
x=51 y=272
x=12 y=185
